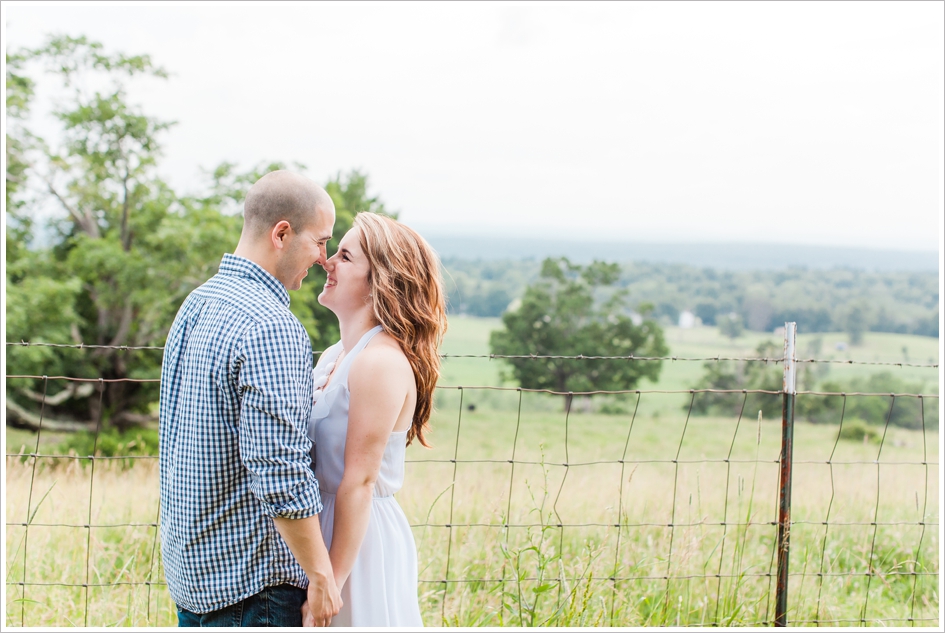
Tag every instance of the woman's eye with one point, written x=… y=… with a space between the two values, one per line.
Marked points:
x=344 y=257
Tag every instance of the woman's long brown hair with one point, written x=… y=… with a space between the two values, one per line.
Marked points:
x=409 y=302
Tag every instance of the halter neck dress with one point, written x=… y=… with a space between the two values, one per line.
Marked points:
x=382 y=587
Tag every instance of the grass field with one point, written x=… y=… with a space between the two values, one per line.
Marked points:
x=696 y=534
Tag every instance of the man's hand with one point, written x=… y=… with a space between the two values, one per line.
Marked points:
x=304 y=538
x=324 y=601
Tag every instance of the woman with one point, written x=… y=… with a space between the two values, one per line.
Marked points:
x=373 y=397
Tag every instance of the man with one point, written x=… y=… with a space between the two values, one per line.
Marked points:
x=240 y=537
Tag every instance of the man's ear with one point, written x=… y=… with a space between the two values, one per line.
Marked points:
x=279 y=232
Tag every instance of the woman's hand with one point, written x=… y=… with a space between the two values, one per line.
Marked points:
x=325 y=596
x=308 y=618
x=304 y=538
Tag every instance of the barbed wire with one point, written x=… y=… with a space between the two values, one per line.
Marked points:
x=83 y=457
x=599 y=392
x=77 y=379
x=718 y=358
x=841 y=574
x=87 y=584
x=630 y=357
x=564 y=578
x=504 y=526
x=84 y=346
x=538 y=463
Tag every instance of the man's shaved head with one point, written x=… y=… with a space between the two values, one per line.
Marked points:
x=283 y=195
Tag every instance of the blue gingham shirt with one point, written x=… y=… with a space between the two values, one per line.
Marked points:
x=236 y=393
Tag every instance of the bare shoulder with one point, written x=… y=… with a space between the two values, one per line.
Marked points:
x=382 y=360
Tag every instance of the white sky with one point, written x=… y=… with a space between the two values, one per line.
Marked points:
x=810 y=122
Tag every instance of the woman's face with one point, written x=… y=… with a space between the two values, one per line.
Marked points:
x=347 y=287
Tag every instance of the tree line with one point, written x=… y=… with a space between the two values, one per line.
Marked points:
x=860 y=411
x=836 y=300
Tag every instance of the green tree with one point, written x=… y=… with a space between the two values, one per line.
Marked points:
x=738 y=375
x=19 y=96
x=856 y=322
x=573 y=310
x=817 y=299
x=730 y=325
x=907 y=412
x=126 y=250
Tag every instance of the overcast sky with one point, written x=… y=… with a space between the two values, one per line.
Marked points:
x=810 y=122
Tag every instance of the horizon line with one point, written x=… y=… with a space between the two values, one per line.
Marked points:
x=434 y=234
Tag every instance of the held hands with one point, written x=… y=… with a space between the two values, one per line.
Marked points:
x=324 y=601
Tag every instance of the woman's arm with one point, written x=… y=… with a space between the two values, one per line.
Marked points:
x=380 y=383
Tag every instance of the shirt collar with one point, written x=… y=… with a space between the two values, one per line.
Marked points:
x=234 y=265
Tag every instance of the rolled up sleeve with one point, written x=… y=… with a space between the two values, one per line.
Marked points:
x=275 y=385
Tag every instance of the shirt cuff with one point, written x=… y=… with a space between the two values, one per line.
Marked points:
x=302 y=502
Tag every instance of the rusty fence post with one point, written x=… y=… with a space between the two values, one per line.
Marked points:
x=787 y=449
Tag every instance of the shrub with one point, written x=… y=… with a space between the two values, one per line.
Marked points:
x=112 y=443
x=858 y=431
x=907 y=412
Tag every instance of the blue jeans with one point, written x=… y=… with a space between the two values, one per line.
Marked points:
x=273 y=606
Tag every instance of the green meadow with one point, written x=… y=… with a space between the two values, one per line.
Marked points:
x=527 y=515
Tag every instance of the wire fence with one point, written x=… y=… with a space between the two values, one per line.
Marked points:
x=631 y=357
x=530 y=514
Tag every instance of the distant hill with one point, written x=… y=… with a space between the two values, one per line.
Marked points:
x=725 y=256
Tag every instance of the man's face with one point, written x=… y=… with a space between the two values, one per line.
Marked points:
x=304 y=249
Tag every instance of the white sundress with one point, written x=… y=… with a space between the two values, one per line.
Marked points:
x=382 y=587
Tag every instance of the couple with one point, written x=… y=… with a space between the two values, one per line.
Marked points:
x=250 y=535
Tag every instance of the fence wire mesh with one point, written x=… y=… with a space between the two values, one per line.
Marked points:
x=533 y=510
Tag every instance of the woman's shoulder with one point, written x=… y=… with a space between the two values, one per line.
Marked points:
x=382 y=357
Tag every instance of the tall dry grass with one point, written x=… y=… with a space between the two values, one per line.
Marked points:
x=671 y=562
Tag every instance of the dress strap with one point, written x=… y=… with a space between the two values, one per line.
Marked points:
x=342 y=371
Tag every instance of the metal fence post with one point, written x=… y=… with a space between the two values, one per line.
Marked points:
x=787 y=449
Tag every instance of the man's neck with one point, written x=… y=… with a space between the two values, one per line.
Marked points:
x=257 y=255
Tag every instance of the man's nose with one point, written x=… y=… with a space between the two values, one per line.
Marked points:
x=327 y=263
